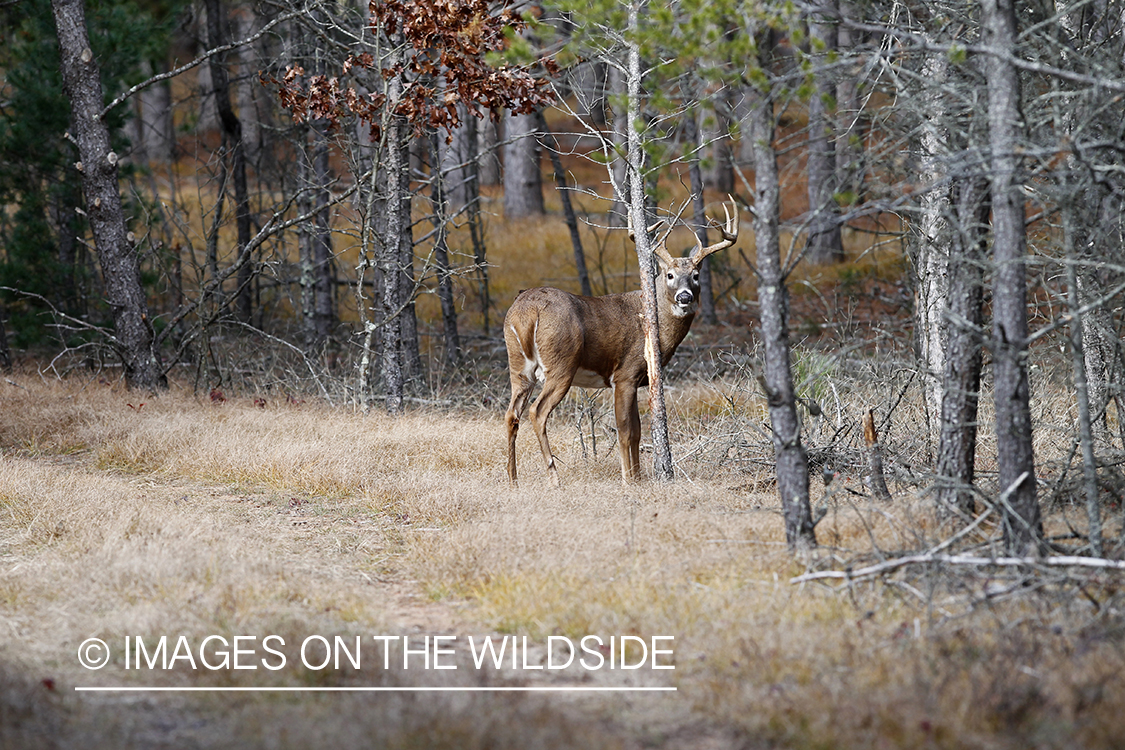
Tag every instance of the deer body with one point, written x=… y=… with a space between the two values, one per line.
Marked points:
x=561 y=339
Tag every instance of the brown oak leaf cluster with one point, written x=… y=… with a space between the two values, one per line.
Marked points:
x=444 y=65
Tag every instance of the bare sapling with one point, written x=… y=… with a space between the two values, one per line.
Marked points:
x=561 y=339
x=875 y=479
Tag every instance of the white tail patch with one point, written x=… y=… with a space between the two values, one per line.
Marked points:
x=533 y=365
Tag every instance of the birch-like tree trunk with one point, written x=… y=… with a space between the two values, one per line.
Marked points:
x=395 y=188
x=661 y=450
x=523 y=182
x=933 y=237
x=120 y=265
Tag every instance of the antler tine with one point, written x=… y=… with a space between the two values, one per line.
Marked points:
x=650 y=230
x=729 y=230
x=658 y=246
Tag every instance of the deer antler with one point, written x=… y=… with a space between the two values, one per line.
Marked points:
x=729 y=230
x=659 y=248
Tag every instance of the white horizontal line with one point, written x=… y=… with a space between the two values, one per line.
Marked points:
x=368 y=689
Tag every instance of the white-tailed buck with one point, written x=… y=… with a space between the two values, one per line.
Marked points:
x=561 y=339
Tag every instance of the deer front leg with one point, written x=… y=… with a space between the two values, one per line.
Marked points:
x=628 y=430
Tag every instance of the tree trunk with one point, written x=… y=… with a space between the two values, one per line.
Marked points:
x=1097 y=346
x=317 y=278
x=371 y=204
x=699 y=215
x=568 y=208
x=395 y=188
x=305 y=264
x=65 y=201
x=933 y=238
x=790 y=455
x=523 y=183
x=323 y=276
x=5 y=352
x=661 y=450
x=957 y=443
x=488 y=164
x=153 y=132
x=133 y=334
x=474 y=163
x=824 y=244
x=849 y=123
x=1023 y=530
x=453 y=160
x=722 y=169
x=411 y=352
x=441 y=256
x=1081 y=390
x=773 y=298
x=619 y=209
x=248 y=86
x=589 y=86
x=233 y=145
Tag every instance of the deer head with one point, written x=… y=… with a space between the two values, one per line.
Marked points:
x=680 y=276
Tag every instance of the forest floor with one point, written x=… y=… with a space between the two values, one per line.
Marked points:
x=186 y=517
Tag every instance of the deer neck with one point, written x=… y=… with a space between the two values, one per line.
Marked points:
x=672 y=329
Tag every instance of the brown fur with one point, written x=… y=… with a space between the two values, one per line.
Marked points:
x=596 y=342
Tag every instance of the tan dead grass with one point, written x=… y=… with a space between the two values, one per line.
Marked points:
x=184 y=516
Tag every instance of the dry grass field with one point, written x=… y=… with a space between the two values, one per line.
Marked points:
x=279 y=510
x=187 y=517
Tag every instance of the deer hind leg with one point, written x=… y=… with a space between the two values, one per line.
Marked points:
x=521 y=394
x=554 y=390
x=628 y=418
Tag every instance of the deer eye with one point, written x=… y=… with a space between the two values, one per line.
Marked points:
x=695 y=276
x=671 y=276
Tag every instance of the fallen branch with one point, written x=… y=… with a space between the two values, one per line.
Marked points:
x=1058 y=561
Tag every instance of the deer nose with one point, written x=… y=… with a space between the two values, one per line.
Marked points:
x=685 y=298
